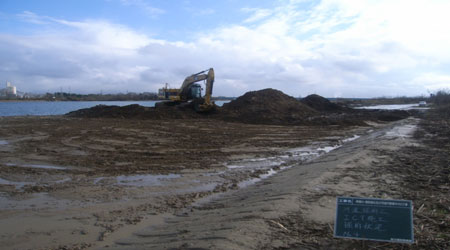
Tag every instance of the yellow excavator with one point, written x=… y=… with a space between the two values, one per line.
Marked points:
x=190 y=93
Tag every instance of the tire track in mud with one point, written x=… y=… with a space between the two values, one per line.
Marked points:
x=247 y=218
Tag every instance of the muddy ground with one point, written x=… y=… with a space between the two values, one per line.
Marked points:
x=75 y=182
x=295 y=208
x=78 y=182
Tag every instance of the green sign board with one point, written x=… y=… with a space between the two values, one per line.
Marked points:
x=374 y=219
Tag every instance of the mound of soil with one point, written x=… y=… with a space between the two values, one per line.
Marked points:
x=109 y=111
x=267 y=106
x=135 y=111
x=321 y=104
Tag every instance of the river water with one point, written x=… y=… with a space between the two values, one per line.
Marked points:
x=395 y=106
x=60 y=108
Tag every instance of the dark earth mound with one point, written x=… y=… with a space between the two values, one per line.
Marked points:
x=388 y=115
x=267 y=106
x=321 y=104
x=335 y=114
x=135 y=111
x=110 y=111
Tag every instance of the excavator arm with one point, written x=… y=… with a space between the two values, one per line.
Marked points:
x=209 y=87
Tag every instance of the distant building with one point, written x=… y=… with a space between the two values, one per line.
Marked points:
x=10 y=90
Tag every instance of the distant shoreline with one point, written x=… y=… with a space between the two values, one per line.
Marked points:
x=79 y=101
x=19 y=100
x=24 y=101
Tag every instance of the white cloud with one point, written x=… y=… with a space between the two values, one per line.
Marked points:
x=256 y=14
x=433 y=81
x=87 y=56
x=149 y=9
x=31 y=17
x=333 y=48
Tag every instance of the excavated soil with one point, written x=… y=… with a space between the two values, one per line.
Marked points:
x=267 y=106
x=136 y=111
x=321 y=104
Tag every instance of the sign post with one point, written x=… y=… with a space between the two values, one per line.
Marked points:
x=374 y=219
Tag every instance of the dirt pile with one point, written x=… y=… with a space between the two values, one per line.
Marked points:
x=135 y=111
x=267 y=106
x=385 y=115
x=321 y=104
x=109 y=111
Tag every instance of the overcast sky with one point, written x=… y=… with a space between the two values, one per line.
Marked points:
x=334 y=48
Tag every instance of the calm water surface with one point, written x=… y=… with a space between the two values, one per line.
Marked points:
x=395 y=106
x=60 y=108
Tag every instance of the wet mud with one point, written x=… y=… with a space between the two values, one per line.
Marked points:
x=85 y=182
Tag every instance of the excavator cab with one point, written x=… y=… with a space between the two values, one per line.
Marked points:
x=195 y=91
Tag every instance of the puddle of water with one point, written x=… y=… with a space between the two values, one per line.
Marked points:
x=35 y=166
x=394 y=106
x=45 y=166
x=351 y=139
x=17 y=184
x=257 y=163
x=235 y=166
x=301 y=151
x=309 y=153
x=401 y=131
x=294 y=155
x=252 y=181
x=63 y=180
x=262 y=159
x=301 y=154
x=98 y=179
x=144 y=180
x=214 y=173
x=328 y=149
x=3 y=142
